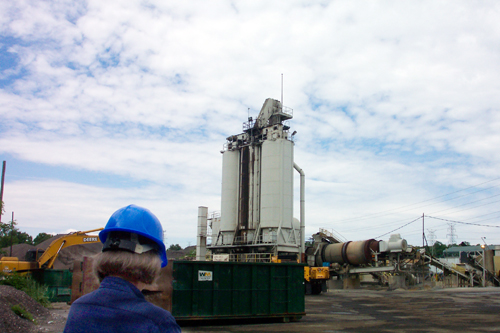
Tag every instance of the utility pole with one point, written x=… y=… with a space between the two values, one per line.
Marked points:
x=423 y=231
x=11 y=232
x=1 y=190
x=424 y=240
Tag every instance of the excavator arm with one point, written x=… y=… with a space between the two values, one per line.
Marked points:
x=47 y=259
x=80 y=237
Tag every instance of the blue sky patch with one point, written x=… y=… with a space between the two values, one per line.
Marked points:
x=109 y=59
x=9 y=62
x=17 y=170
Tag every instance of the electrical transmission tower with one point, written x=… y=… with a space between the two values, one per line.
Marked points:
x=452 y=236
x=432 y=239
x=432 y=236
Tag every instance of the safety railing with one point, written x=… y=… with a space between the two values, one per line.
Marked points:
x=286 y=110
x=245 y=257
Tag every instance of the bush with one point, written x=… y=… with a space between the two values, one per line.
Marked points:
x=25 y=283
x=23 y=313
x=38 y=292
x=15 y=280
x=191 y=255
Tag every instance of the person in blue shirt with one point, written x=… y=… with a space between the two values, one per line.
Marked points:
x=132 y=256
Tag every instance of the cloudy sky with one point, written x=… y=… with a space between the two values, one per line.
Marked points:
x=396 y=107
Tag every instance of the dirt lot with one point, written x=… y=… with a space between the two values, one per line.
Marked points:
x=46 y=320
x=442 y=310
x=56 y=321
x=450 y=310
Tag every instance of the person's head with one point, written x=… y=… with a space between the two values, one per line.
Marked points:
x=132 y=246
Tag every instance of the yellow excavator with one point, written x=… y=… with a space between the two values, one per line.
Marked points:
x=40 y=259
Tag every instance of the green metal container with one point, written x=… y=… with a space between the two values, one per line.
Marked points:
x=227 y=290
x=58 y=282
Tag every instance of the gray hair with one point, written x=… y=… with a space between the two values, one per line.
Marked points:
x=129 y=266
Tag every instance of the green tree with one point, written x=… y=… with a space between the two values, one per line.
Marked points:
x=10 y=235
x=41 y=237
x=175 y=247
x=191 y=255
x=438 y=249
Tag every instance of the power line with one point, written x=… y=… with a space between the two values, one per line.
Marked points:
x=468 y=223
x=415 y=232
x=482 y=216
x=378 y=226
x=468 y=203
x=452 y=233
x=397 y=221
x=387 y=212
x=486 y=204
x=400 y=227
x=491 y=218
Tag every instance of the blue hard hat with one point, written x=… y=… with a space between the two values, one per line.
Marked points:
x=140 y=221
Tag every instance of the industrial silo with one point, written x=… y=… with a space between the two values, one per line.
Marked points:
x=229 y=196
x=276 y=188
x=257 y=189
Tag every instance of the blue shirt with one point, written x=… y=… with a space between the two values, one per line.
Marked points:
x=118 y=306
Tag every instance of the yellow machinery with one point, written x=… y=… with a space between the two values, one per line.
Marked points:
x=38 y=259
x=315 y=279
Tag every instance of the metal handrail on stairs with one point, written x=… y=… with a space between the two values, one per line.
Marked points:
x=447 y=267
x=479 y=264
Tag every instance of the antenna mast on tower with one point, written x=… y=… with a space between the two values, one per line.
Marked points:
x=281 y=89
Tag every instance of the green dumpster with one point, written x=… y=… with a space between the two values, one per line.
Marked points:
x=58 y=282
x=228 y=290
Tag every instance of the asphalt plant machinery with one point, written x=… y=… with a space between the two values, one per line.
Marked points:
x=254 y=267
x=351 y=258
x=256 y=222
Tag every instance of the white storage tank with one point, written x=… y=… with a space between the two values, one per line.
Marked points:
x=277 y=184
x=229 y=196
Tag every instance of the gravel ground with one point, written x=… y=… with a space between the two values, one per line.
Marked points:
x=46 y=320
x=441 y=310
x=463 y=310
x=54 y=323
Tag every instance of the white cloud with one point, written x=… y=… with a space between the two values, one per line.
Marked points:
x=394 y=102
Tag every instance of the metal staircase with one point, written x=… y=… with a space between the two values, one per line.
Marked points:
x=447 y=268
x=478 y=263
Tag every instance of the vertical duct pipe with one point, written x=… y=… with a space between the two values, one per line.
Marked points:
x=201 y=240
x=302 y=208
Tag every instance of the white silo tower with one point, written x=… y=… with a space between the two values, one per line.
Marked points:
x=257 y=190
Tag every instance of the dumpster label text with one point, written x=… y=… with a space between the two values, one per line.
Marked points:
x=205 y=276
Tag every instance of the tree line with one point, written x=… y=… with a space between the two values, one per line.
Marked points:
x=11 y=235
